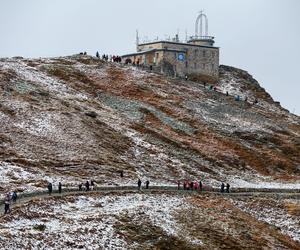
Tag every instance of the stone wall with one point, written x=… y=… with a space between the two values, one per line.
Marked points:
x=199 y=59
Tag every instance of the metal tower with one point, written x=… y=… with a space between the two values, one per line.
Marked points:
x=202 y=18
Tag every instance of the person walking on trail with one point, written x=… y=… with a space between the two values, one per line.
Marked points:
x=222 y=187
x=80 y=187
x=200 y=186
x=186 y=77
x=196 y=185
x=227 y=188
x=59 y=187
x=97 y=54
x=50 y=188
x=87 y=186
x=147 y=184
x=139 y=184
x=7 y=205
x=192 y=185
x=92 y=185
x=121 y=173
x=14 y=196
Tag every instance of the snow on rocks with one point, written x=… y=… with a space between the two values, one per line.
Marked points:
x=275 y=213
x=92 y=221
x=31 y=74
x=43 y=125
x=13 y=177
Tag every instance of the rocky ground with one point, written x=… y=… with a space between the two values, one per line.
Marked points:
x=152 y=221
x=72 y=118
x=76 y=118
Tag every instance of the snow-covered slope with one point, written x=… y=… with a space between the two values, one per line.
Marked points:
x=75 y=118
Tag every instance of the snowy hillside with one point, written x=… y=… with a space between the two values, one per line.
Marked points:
x=71 y=118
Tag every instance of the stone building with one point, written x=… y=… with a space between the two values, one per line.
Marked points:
x=196 y=56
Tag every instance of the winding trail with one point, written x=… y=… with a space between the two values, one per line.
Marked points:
x=274 y=193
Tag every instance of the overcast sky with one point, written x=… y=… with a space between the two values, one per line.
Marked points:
x=260 y=36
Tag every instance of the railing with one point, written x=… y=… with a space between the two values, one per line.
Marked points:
x=202 y=38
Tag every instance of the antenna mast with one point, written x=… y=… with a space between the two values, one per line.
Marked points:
x=137 y=40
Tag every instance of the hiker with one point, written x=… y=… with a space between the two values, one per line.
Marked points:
x=222 y=187
x=186 y=77
x=178 y=185
x=59 y=187
x=14 y=196
x=227 y=187
x=196 y=185
x=84 y=53
x=50 y=188
x=139 y=184
x=87 y=186
x=255 y=101
x=147 y=184
x=200 y=186
x=204 y=84
x=237 y=98
x=192 y=185
x=97 y=54
x=151 y=67
x=246 y=99
x=92 y=185
x=122 y=173
x=227 y=94
x=7 y=205
x=80 y=187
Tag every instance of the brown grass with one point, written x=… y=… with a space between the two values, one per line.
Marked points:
x=293 y=208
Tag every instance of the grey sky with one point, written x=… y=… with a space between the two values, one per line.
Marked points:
x=260 y=36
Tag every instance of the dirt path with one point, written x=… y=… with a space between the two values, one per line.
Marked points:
x=274 y=193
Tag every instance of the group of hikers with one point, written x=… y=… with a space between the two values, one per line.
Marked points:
x=105 y=57
x=109 y=58
x=90 y=185
x=140 y=184
x=198 y=185
x=87 y=186
x=9 y=198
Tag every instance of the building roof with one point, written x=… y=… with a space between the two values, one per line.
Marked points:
x=186 y=44
x=154 y=50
